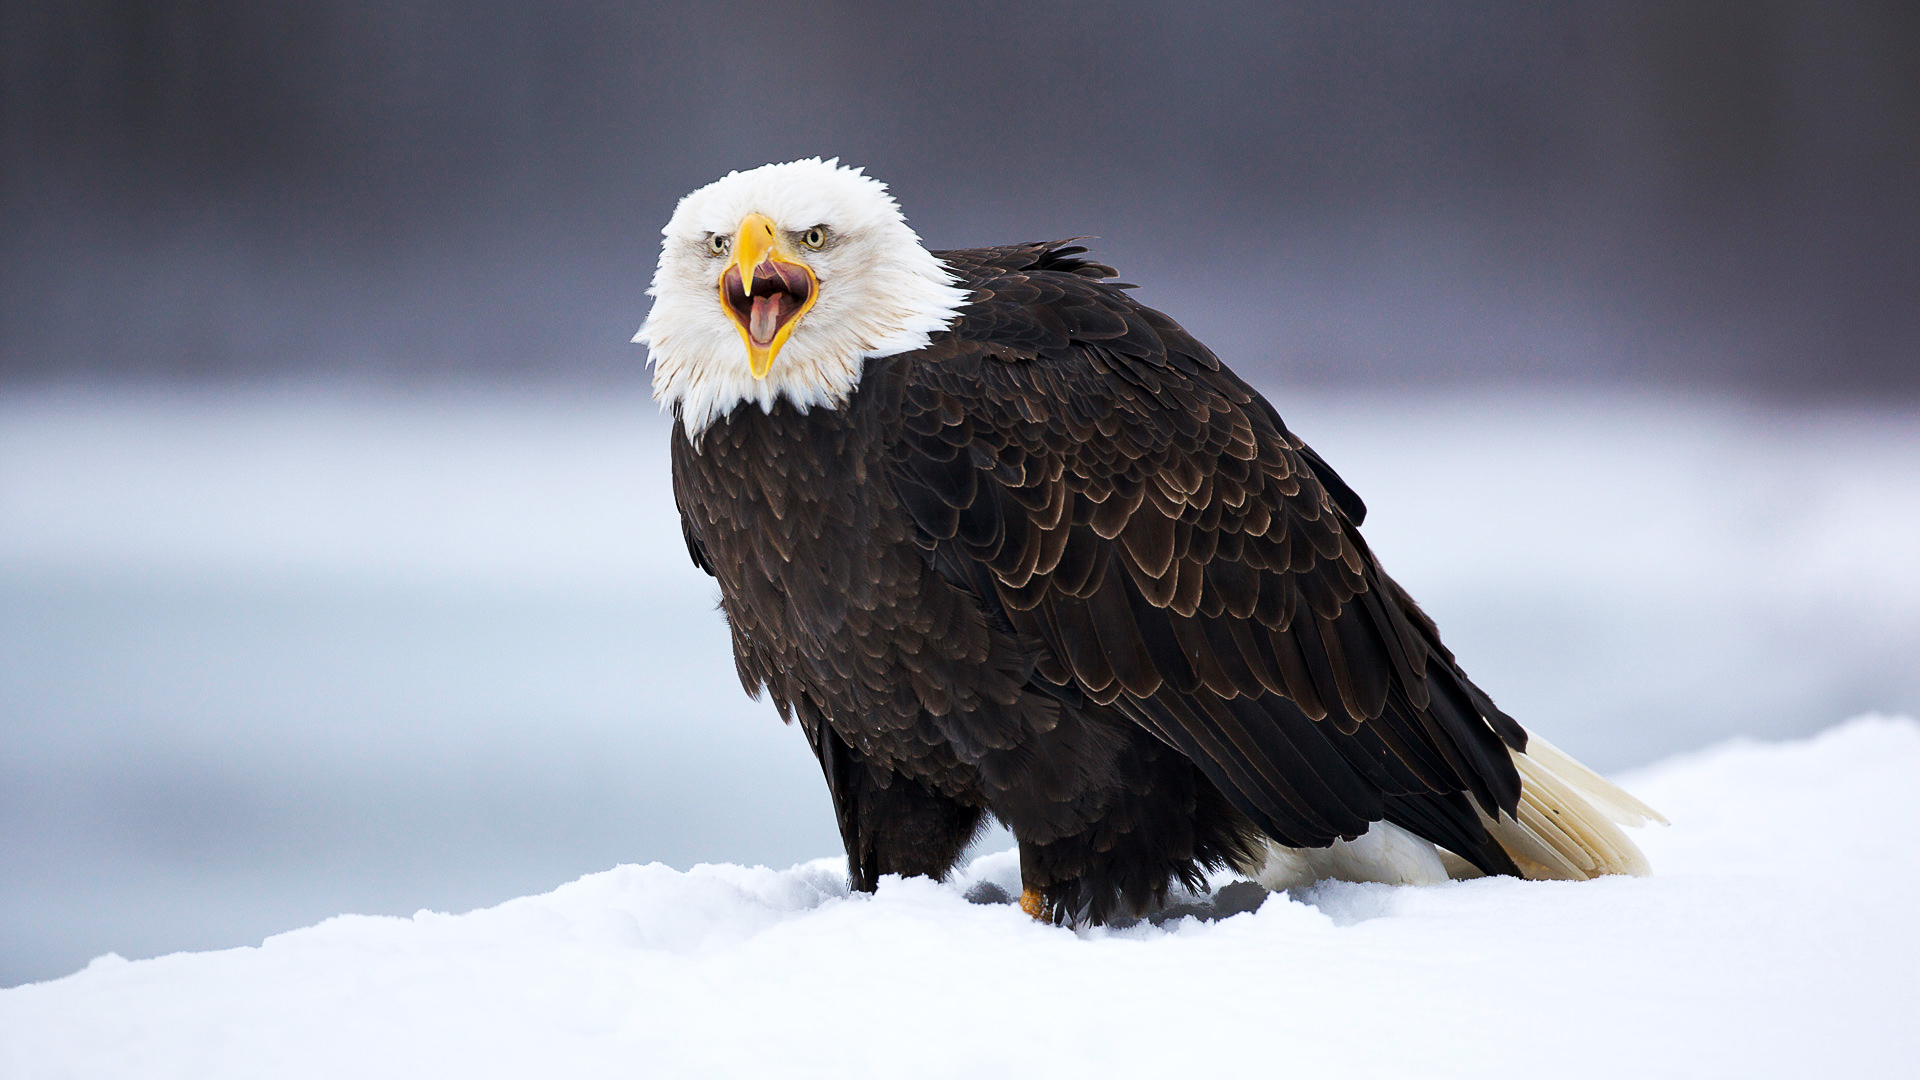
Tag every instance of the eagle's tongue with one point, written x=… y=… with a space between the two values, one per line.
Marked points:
x=764 y=321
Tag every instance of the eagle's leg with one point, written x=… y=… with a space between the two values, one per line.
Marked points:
x=905 y=827
x=1164 y=822
x=1032 y=901
x=890 y=823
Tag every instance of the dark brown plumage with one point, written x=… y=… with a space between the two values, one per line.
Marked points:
x=1064 y=567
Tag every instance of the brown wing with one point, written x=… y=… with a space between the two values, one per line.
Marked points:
x=1117 y=496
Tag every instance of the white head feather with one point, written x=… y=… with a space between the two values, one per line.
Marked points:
x=880 y=292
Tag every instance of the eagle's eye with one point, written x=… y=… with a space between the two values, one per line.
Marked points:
x=719 y=243
x=815 y=238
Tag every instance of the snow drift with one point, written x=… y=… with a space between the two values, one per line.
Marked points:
x=1777 y=938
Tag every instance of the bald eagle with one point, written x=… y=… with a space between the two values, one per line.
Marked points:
x=1004 y=541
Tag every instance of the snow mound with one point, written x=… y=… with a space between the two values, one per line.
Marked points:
x=1777 y=938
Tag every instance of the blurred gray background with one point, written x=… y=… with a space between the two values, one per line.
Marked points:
x=338 y=570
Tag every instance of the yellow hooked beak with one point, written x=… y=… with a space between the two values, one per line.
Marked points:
x=766 y=290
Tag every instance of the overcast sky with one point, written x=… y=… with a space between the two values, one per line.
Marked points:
x=1696 y=193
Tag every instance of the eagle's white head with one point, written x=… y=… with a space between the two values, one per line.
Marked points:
x=780 y=282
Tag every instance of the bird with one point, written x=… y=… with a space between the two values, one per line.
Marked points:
x=1007 y=544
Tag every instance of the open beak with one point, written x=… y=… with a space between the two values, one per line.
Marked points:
x=766 y=290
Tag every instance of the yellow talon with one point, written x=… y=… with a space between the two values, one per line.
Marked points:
x=1033 y=905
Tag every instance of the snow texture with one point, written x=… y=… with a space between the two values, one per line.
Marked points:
x=1776 y=939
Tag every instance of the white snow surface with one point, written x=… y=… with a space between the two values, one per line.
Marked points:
x=1777 y=938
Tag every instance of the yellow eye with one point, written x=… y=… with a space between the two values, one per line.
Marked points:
x=719 y=244
x=815 y=238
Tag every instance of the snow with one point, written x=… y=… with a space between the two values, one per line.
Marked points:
x=1777 y=938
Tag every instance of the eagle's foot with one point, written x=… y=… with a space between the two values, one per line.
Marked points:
x=1036 y=905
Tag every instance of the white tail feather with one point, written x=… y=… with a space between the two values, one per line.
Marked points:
x=1567 y=828
x=1612 y=801
x=1566 y=825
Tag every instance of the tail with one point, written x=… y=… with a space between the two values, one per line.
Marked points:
x=1567 y=828
x=1568 y=823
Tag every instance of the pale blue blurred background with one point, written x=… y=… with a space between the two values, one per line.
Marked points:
x=338 y=567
